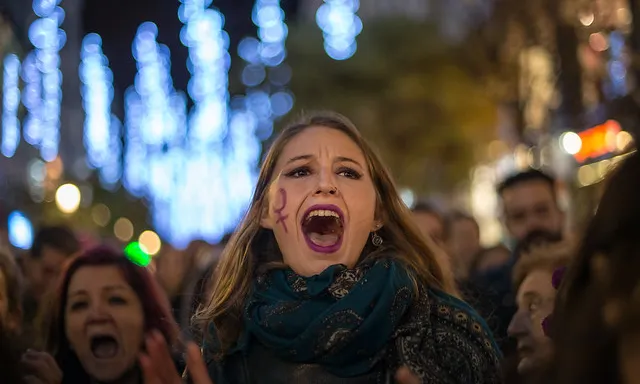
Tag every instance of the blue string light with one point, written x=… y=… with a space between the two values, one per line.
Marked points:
x=41 y=71
x=208 y=64
x=340 y=26
x=266 y=74
x=616 y=69
x=272 y=31
x=10 y=104
x=155 y=114
x=218 y=167
x=102 y=137
x=185 y=180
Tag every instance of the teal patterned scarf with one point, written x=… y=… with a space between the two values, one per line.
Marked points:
x=342 y=318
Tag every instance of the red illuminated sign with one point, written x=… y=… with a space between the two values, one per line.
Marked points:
x=598 y=141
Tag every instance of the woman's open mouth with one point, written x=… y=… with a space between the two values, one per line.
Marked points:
x=104 y=346
x=323 y=227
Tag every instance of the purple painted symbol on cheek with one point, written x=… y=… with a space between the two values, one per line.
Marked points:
x=278 y=211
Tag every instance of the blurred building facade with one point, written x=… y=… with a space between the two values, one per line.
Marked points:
x=567 y=68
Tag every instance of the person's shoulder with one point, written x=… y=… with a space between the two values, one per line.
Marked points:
x=449 y=312
x=463 y=339
x=443 y=340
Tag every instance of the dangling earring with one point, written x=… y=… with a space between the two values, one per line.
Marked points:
x=376 y=239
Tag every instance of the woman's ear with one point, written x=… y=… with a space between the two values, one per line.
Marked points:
x=378 y=221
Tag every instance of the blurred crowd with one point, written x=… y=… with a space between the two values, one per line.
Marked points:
x=31 y=292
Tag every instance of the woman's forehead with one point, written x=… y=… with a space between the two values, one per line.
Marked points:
x=97 y=275
x=321 y=142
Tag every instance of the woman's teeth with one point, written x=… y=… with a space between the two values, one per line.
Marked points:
x=322 y=212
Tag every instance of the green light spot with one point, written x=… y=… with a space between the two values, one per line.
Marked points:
x=137 y=254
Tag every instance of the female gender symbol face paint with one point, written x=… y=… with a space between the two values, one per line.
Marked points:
x=278 y=211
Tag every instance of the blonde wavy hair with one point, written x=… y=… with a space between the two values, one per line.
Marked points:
x=252 y=247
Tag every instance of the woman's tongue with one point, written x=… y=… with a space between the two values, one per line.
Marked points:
x=321 y=240
x=104 y=348
x=323 y=231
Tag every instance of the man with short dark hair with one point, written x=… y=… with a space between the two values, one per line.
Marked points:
x=52 y=246
x=529 y=203
x=530 y=213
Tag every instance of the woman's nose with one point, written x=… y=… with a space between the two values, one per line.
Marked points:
x=98 y=312
x=329 y=190
x=326 y=183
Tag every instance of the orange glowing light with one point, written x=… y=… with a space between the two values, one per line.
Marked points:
x=598 y=141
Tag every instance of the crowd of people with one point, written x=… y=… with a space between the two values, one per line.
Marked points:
x=330 y=278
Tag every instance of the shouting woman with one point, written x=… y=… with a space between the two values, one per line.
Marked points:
x=99 y=316
x=327 y=280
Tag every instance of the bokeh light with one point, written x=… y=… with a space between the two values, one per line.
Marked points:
x=587 y=175
x=123 y=229
x=10 y=127
x=624 y=15
x=623 y=140
x=587 y=18
x=598 y=42
x=155 y=117
x=208 y=64
x=42 y=95
x=151 y=242
x=101 y=215
x=408 y=197
x=20 y=230
x=137 y=254
x=616 y=84
x=571 y=143
x=68 y=198
x=102 y=138
x=340 y=26
x=272 y=32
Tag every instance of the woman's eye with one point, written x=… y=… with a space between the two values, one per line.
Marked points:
x=350 y=173
x=78 y=305
x=299 y=172
x=117 y=300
